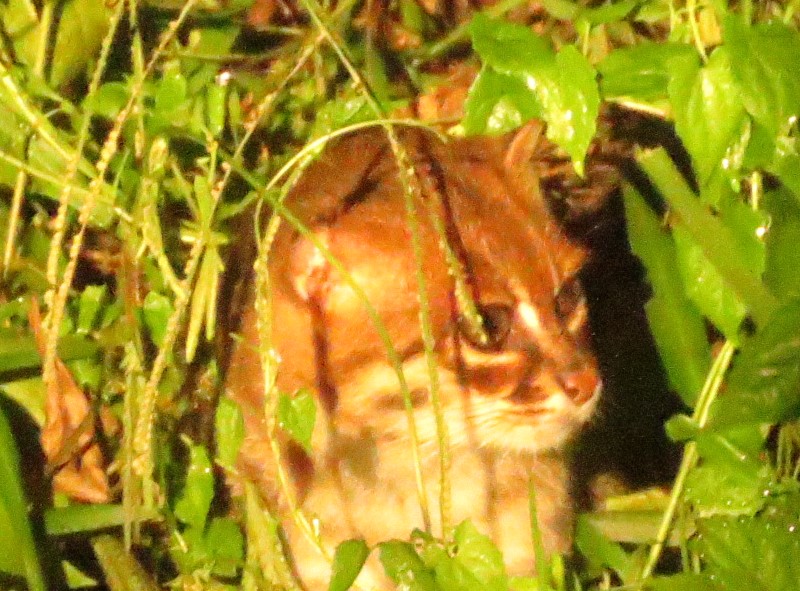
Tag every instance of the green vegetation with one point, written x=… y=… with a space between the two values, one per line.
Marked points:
x=130 y=137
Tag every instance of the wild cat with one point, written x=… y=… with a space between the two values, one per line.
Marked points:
x=510 y=400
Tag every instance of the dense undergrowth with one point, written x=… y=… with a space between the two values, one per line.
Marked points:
x=132 y=134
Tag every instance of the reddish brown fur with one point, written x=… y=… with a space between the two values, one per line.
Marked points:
x=509 y=409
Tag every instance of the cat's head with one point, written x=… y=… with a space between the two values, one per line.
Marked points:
x=527 y=386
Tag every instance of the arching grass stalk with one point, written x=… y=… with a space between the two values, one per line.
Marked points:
x=67 y=184
x=707 y=396
x=411 y=191
x=295 y=166
x=107 y=153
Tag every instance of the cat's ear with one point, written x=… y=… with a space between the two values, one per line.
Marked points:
x=523 y=146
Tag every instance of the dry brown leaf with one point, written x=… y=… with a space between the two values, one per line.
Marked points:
x=68 y=434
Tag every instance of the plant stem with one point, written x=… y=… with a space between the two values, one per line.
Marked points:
x=700 y=416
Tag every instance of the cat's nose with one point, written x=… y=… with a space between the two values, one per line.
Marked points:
x=581 y=384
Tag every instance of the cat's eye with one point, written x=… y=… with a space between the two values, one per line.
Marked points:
x=569 y=300
x=496 y=319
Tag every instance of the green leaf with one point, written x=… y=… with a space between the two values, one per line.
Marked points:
x=607 y=13
x=764 y=60
x=170 y=94
x=19 y=353
x=297 y=415
x=715 y=488
x=677 y=327
x=404 y=566
x=216 y=104
x=60 y=521
x=91 y=300
x=564 y=84
x=706 y=288
x=570 y=107
x=600 y=552
x=509 y=48
x=230 y=431
x=82 y=24
x=684 y=582
x=225 y=544
x=708 y=110
x=15 y=528
x=731 y=478
x=764 y=384
x=195 y=498
x=498 y=103
x=109 y=99
x=642 y=72
x=718 y=243
x=341 y=112
x=745 y=554
x=782 y=238
x=477 y=554
x=157 y=310
x=472 y=563
x=347 y=563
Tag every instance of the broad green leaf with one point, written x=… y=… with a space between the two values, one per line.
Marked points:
x=570 y=107
x=109 y=99
x=404 y=566
x=170 y=94
x=82 y=24
x=601 y=552
x=564 y=84
x=731 y=478
x=642 y=72
x=786 y=166
x=347 y=563
x=747 y=227
x=229 y=429
x=706 y=288
x=708 y=110
x=677 y=326
x=745 y=554
x=30 y=394
x=716 y=488
x=92 y=298
x=156 y=310
x=472 y=563
x=782 y=254
x=610 y=12
x=195 y=498
x=498 y=103
x=764 y=384
x=718 y=243
x=297 y=415
x=225 y=545
x=19 y=353
x=341 y=112
x=16 y=536
x=684 y=582
x=510 y=48
x=764 y=60
x=477 y=554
